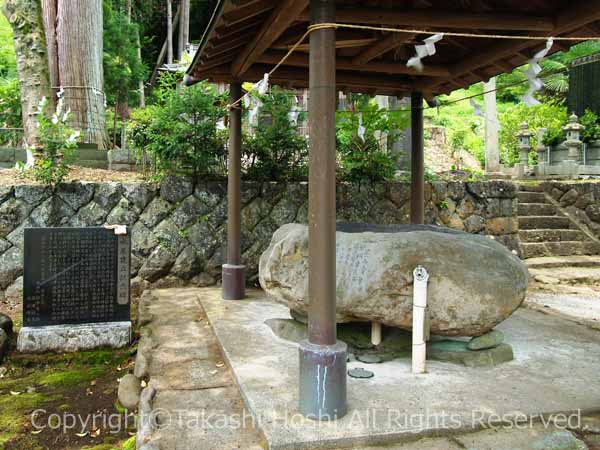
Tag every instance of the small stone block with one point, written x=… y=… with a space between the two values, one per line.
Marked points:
x=72 y=338
x=489 y=340
x=369 y=358
x=359 y=372
x=457 y=352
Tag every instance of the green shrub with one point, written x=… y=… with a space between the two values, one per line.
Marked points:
x=10 y=111
x=551 y=115
x=553 y=137
x=591 y=122
x=275 y=151
x=57 y=143
x=180 y=134
x=361 y=158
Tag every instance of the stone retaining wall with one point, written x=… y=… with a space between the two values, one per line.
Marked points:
x=179 y=227
x=580 y=200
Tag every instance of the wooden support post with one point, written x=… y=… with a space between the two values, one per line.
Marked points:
x=321 y=193
x=234 y=280
x=322 y=397
x=417 y=193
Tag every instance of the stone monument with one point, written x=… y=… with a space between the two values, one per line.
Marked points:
x=76 y=289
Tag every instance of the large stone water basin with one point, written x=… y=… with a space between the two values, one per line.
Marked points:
x=474 y=282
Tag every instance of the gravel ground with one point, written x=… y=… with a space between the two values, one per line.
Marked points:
x=12 y=177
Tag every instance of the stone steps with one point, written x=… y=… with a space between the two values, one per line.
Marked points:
x=564 y=248
x=551 y=235
x=544 y=232
x=536 y=209
x=563 y=261
x=568 y=276
x=531 y=188
x=531 y=197
x=544 y=222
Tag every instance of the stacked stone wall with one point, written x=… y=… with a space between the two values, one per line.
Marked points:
x=581 y=200
x=179 y=226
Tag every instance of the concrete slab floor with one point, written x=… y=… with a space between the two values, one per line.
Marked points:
x=555 y=371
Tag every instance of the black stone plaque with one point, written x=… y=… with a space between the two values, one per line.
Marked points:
x=75 y=276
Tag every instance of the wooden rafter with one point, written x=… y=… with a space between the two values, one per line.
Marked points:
x=226 y=32
x=427 y=18
x=240 y=41
x=279 y=20
x=247 y=11
x=386 y=44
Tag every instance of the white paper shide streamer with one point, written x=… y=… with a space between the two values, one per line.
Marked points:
x=294 y=112
x=476 y=107
x=254 y=104
x=535 y=84
x=361 y=128
x=424 y=50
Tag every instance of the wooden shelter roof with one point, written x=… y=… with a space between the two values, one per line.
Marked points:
x=246 y=38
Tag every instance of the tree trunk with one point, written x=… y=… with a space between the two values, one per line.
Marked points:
x=169 y=32
x=25 y=18
x=142 y=94
x=184 y=28
x=49 y=14
x=79 y=34
x=141 y=84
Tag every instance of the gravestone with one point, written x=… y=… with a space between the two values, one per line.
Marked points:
x=76 y=289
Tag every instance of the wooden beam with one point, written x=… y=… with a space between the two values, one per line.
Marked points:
x=354 y=81
x=280 y=19
x=399 y=68
x=429 y=18
x=340 y=43
x=567 y=20
x=386 y=44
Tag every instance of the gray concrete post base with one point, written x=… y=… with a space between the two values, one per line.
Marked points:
x=323 y=380
x=234 y=282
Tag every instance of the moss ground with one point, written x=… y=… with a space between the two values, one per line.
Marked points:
x=74 y=397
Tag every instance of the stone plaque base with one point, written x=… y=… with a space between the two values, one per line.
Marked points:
x=72 y=338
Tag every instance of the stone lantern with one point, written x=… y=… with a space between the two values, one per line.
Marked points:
x=573 y=130
x=524 y=137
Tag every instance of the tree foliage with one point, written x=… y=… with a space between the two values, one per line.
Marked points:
x=551 y=114
x=122 y=68
x=180 y=134
x=8 y=62
x=276 y=151
x=361 y=156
